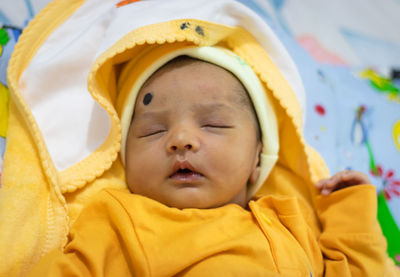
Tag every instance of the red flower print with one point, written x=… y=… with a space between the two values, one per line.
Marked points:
x=319 y=109
x=391 y=186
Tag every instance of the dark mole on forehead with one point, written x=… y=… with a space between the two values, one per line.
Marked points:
x=147 y=98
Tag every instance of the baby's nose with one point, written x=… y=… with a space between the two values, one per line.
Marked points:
x=183 y=140
x=187 y=146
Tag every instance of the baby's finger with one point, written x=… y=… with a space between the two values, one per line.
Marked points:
x=328 y=185
x=333 y=181
x=326 y=190
x=355 y=177
x=320 y=184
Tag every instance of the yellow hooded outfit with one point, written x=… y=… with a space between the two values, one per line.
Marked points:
x=63 y=148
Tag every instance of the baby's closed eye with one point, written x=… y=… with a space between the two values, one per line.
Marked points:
x=217 y=125
x=213 y=121
x=151 y=130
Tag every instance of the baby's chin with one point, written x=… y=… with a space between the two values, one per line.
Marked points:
x=192 y=197
x=193 y=205
x=195 y=201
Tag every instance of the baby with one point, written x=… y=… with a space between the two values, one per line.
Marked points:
x=193 y=142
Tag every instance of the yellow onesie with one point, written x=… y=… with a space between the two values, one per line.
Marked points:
x=124 y=234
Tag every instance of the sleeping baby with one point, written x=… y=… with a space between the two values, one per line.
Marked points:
x=165 y=138
x=199 y=132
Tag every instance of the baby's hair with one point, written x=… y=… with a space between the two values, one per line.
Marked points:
x=241 y=98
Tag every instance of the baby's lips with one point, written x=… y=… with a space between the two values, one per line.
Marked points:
x=183 y=165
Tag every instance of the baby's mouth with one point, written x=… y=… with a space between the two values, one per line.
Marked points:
x=184 y=171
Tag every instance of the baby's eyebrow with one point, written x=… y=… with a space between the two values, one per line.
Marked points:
x=151 y=114
x=209 y=107
x=196 y=108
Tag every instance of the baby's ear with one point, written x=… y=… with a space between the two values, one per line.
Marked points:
x=257 y=166
x=255 y=174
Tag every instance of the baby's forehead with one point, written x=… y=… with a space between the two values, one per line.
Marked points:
x=188 y=64
x=235 y=93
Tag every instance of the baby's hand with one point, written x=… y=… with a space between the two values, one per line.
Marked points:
x=340 y=180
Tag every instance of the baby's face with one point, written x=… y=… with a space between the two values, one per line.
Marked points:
x=192 y=143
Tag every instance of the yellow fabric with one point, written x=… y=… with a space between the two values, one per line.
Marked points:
x=34 y=220
x=38 y=204
x=4 y=96
x=131 y=235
